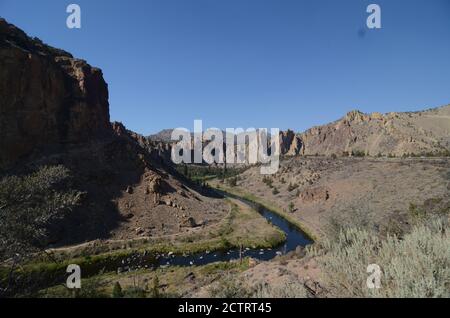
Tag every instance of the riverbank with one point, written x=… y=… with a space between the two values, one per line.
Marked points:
x=170 y=282
x=242 y=227
x=240 y=193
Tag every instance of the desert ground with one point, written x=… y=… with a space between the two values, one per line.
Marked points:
x=322 y=188
x=76 y=188
x=380 y=194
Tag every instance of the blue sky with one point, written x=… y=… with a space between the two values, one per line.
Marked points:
x=252 y=63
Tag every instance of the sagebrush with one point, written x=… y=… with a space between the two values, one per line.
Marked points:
x=416 y=266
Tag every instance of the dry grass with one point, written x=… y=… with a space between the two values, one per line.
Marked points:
x=292 y=289
x=417 y=266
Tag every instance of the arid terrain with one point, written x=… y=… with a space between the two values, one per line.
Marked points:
x=78 y=189
x=321 y=188
x=375 y=134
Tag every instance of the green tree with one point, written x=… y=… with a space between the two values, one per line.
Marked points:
x=30 y=205
x=232 y=182
x=155 y=289
x=117 y=291
x=291 y=207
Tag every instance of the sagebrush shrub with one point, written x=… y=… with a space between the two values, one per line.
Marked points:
x=291 y=289
x=228 y=287
x=416 y=266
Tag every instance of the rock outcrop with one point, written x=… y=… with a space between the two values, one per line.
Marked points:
x=290 y=143
x=397 y=134
x=377 y=134
x=54 y=111
x=47 y=97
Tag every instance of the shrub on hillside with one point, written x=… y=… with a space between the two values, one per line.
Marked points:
x=268 y=181
x=228 y=287
x=29 y=205
x=291 y=289
x=354 y=218
x=358 y=153
x=117 y=291
x=291 y=207
x=292 y=187
x=232 y=182
x=416 y=266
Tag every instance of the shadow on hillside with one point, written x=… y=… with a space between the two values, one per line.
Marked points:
x=103 y=171
x=186 y=182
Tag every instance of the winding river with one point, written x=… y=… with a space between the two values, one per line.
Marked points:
x=294 y=238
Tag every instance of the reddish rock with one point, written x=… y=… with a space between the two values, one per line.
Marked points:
x=290 y=143
x=47 y=97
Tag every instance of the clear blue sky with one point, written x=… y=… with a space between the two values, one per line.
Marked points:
x=252 y=63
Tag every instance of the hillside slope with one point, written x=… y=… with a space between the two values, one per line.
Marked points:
x=54 y=110
x=389 y=134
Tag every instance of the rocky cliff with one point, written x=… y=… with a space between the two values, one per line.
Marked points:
x=290 y=143
x=425 y=132
x=47 y=97
x=397 y=134
x=54 y=111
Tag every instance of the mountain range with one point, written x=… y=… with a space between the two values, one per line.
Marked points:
x=394 y=134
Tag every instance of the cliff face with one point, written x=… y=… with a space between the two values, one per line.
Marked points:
x=385 y=134
x=290 y=143
x=54 y=111
x=47 y=97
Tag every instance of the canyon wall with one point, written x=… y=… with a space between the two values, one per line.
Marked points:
x=47 y=97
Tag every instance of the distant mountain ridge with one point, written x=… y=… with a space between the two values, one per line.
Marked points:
x=395 y=133
x=164 y=135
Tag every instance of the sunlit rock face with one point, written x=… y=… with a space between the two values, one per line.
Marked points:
x=423 y=132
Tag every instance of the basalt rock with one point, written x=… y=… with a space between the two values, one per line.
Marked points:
x=47 y=97
x=155 y=185
x=54 y=111
x=423 y=132
x=189 y=222
x=290 y=143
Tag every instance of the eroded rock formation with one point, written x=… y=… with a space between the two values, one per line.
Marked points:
x=290 y=143
x=382 y=134
x=47 y=97
x=54 y=111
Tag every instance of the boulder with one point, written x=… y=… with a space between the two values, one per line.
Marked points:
x=155 y=184
x=139 y=230
x=129 y=216
x=189 y=222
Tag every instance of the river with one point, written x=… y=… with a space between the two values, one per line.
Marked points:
x=294 y=238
